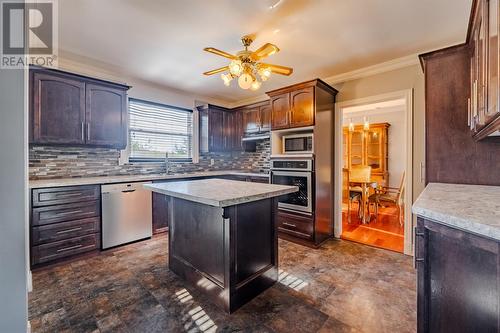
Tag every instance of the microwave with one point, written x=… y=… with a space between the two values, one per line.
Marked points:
x=298 y=143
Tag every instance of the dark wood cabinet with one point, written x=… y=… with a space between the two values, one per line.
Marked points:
x=295 y=106
x=160 y=213
x=302 y=107
x=106 y=115
x=215 y=129
x=57 y=109
x=265 y=118
x=70 y=109
x=238 y=132
x=251 y=120
x=64 y=221
x=458 y=280
x=483 y=103
x=280 y=106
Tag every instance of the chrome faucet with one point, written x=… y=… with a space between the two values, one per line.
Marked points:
x=167 y=164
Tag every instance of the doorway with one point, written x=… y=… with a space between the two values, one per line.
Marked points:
x=373 y=171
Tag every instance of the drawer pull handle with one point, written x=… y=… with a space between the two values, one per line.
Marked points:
x=289 y=225
x=66 y=195
x=64 y=249
x=68 y=213
x=419 y=234
x=68 y=230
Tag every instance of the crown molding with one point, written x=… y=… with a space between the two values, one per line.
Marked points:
x=383 y=67
x=251 y=100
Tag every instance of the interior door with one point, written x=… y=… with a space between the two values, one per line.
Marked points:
x=280 y=106
x=302 y=107
x=106 y=116
x=58 y=109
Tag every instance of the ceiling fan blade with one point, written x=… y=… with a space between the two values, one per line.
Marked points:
x=264 y=51
x=277 y=69
x=219 y=52
x=218 y=70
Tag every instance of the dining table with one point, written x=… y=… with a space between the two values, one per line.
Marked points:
x=365 y=187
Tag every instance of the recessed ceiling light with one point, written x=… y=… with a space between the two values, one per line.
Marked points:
x=276 y=31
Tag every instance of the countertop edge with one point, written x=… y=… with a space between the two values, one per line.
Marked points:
x=220 y=203
x=101 y=180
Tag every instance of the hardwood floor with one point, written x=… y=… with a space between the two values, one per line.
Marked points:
x=386 y=232
x=340 y=287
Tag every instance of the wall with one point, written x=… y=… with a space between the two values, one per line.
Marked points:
x=13 y=202
x=61 y=162
x=396 y=143
x=410 y=77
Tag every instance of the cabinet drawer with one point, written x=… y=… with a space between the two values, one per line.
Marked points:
x=62 y=213
x=56 y=250
x=59 y=231
x=296 y=225
x=64 y=195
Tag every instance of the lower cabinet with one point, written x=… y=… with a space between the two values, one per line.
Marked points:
x=458 y=280
x=65 y=221
x=160 y=213
x=295 y=225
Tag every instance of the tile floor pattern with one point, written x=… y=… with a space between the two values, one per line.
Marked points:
x=342 y=287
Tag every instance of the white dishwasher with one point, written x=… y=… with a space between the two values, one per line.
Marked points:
x=126 y=213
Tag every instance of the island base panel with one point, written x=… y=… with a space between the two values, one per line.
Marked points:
x=228 y=253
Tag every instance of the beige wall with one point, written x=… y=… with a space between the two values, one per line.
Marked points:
x=405 y=78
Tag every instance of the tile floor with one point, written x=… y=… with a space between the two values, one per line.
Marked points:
x=342 y=287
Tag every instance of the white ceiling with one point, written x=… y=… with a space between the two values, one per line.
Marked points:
x=162 y=41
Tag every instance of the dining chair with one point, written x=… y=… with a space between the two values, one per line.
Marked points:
x=348 y=195
x=389 y=195
x=362 y=173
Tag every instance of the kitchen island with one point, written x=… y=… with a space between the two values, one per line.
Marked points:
x=222 y=236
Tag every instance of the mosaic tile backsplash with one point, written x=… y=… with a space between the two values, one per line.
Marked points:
x=48 y=162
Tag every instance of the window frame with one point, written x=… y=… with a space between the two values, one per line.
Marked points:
x=155 y=159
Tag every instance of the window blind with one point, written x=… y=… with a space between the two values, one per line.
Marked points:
x=156 y=129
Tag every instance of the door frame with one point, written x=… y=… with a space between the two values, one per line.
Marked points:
x=407 y=95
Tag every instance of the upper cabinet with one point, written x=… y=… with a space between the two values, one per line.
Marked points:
x=57 y=110
x=221 y=129
x=106 y=115
x=256 y=117
x=483 y=104
x=295 y=106
x=68 y=109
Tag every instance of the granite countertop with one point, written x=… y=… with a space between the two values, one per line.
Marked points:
x=134 y=178
x=220 y=192
x=473 y=208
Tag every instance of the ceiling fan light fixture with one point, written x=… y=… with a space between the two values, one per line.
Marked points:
x=245 y=81
x=265 y=73
x=235 y=67
x=227 y=78
x=255 y=85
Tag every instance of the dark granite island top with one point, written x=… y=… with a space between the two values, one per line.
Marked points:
x=222 y=236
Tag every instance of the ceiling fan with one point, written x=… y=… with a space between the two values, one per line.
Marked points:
x=246 y=65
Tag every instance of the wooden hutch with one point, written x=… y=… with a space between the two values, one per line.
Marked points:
x=368 y=147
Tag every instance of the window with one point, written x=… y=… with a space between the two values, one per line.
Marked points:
x=156 y=129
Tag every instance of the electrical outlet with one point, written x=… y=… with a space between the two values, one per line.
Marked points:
x=212 y=162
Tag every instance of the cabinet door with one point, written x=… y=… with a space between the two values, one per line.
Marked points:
x=215 y=130
x=302 y=107
x=237 y=127
x=265 y=118
x=356 y=148
x=458 y=284
x=251 y=121
x=493 y=57
x=280 y=110
x=375 y=148
x=58 y=109
x=106 y=116
x=160 y=213
x=227 y=130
